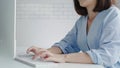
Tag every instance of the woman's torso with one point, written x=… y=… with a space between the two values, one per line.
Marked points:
x=92 y=39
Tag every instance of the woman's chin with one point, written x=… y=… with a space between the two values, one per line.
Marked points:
x=83 y=5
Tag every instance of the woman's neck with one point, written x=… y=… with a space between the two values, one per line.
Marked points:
x=91 y=13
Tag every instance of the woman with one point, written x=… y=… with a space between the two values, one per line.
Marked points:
x=95 y=38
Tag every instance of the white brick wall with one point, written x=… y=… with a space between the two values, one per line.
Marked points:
x=45 y=9
x=43 y=22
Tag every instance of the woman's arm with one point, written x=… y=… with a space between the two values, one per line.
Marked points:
x=55 y=50
x=55 y=54
x=69 y=43
x=82 y=58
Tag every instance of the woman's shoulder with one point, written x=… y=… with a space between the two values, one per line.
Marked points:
x=112 y=17
x=112 y=11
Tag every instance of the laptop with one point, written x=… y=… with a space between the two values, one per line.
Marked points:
x=27 y=59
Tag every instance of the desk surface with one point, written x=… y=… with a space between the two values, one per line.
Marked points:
x=7 y=62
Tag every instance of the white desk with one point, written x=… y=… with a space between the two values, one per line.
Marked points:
x=7 y=62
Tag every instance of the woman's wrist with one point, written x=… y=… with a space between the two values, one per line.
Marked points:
x=64 y=57
x=61 y=57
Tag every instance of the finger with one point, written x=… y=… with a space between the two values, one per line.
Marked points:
x=32 y=49
x=35 y=56
x=29 y=49
x=44 y=55
x=42 y=51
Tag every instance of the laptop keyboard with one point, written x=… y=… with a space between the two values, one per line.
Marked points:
x=38 y=62
x=28 y=57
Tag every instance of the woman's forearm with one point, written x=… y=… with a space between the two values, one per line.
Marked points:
x=82 y=58
x=55 y=50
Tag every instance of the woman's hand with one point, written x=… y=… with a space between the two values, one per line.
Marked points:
x=45 y=54
x=37 y=51
x=48 y=56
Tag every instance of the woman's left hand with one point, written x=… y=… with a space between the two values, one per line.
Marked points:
x=48 y=56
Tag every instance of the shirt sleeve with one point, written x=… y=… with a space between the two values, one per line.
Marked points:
x=109 y=51
x=68 y=44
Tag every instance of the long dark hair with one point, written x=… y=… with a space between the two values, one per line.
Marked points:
x=100 y=6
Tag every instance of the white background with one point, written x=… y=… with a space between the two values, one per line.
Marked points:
x=43 y=22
